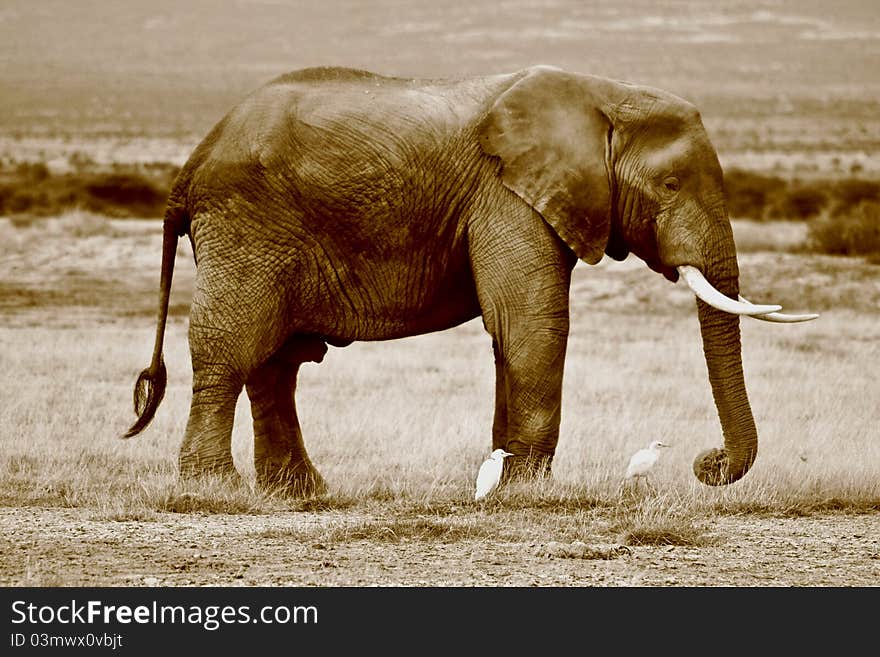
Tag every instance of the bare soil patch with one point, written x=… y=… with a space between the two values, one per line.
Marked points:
x=67 y=547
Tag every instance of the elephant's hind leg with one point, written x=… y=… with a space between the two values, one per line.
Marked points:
x=207 y=443
x=231 y=332
x=280 y=457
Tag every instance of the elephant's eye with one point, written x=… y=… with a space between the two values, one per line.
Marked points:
x=672 y=184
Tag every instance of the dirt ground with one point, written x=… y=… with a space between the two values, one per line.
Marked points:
x=65 y=547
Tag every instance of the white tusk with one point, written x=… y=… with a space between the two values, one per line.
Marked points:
x=782 y=318
x=704 y=290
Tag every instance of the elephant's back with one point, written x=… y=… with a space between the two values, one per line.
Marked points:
x=316 y=128
x=350 y=108
x=333 y=142
x=328 y=75
x=321 y=99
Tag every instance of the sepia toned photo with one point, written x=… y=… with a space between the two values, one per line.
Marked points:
x=444 y=294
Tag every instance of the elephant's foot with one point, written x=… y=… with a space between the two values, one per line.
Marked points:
x=527 y=467
x=193 y=468
x=198 y=482
x=299 y=479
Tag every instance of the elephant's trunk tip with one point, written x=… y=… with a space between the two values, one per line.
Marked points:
x=712 y=467
x=148 y=393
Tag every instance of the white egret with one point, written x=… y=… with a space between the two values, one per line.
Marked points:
x=490 y=473
x=643 y=460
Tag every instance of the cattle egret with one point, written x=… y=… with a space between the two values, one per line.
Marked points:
x=643 y=460
x=490 y=473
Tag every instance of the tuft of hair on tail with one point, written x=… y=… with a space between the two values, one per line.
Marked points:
x=149 y=389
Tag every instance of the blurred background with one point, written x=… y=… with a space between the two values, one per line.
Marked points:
x=798 y=78
x=789 y=89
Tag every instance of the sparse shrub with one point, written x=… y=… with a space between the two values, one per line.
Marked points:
x=856 y=232
x=19 y=201
x=799 y=202
x=749 y=193
x=31 y=189
x=134 y=193
x=850 y=192
x=32 y=171
x=757 y=196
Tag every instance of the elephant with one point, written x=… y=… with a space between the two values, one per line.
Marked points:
x=335 y=205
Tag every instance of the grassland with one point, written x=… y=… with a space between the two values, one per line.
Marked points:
x=399 y=428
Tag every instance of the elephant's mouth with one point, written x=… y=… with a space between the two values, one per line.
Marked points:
x=704 y=290
x=671 y=273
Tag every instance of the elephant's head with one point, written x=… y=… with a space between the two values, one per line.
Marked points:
x=616 y=168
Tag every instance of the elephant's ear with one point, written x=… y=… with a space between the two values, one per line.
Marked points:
x=553 y=143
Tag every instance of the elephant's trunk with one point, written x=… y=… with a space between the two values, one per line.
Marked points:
x=721 y=346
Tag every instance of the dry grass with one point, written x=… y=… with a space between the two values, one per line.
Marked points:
x=772 y=236
x=77 y=222
x=399 y=428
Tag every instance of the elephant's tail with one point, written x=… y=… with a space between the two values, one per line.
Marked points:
x=150 y=386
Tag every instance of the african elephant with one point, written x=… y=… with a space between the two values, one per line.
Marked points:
x=335 y=205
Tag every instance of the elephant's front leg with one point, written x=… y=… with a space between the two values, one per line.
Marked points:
x=522 y=284
x=529 y=392
x=499 y=421
x=280 y=458
x=530 y=380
